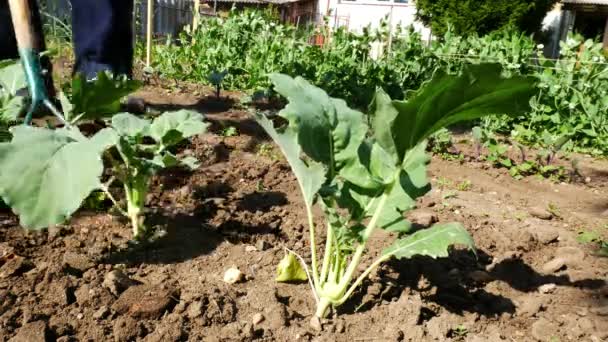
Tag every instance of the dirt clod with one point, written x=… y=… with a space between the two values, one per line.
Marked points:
x=145 y=301
x=257 y=318
x=32 y=332
x=540 y=213
x=424 y=218
x=79 y=262
x=102 y=313
x=127 y=329
x=116 y=282
x=547 y=288
x=554 y=265
x=542 y=330
x=15 y=266
x=530 y=306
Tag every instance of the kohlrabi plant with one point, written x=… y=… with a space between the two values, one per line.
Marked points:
x=47 y=173
x=100 y=98
x=216 y=79
x=12 y=79
x=365 y=177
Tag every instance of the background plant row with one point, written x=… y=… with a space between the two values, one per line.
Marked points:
x=572 y=91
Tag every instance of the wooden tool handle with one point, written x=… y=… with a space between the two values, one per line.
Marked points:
x=22 y=22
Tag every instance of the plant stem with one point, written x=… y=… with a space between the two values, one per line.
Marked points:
x=361 y=247
x=363 y=275
x=313 y=247
x=105 y=188
x=322 y=307
x=328 y=253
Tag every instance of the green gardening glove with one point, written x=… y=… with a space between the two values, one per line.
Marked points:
x=38 y=94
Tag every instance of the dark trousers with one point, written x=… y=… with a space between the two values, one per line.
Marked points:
x=102 y=35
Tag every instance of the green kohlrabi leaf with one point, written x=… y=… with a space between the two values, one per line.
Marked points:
x=101 y=97
x=478 y=91
x=290 y=270
x=328 y=131
x=104 y=139
x=12 y=78
x=172 y=127
x=47 y=174
x=129 y=125
x=311 y=175
x=11 y=108
x=433 y=242
x=411 y=183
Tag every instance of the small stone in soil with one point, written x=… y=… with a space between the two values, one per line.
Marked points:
x=547 y=288
x=540 y=213
x=233 y=275
x=250 y=249
x=257 y=318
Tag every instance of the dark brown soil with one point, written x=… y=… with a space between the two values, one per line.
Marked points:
x=85 y=282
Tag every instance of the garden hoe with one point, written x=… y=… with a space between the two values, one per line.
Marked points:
x=28 y=46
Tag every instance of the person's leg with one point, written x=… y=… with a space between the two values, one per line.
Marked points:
x=102 y=35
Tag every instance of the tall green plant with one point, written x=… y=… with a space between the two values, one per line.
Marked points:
x=367 y=181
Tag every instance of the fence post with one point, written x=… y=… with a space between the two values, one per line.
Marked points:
x=149 y=17
x=197 y=9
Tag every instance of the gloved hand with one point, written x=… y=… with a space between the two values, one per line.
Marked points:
x=38 y=94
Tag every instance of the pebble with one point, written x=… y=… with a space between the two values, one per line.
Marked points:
x=250 y=248
x=257 y=318
x=233 y=275
x=547 y=288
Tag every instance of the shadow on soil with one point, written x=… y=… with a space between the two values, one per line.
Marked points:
x=445 y=282
x=187 y=236
x=227 y=112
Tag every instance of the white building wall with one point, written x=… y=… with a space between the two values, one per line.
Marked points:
x=360 y=13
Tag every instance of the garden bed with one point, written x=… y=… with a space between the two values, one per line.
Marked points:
x=84 y=281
